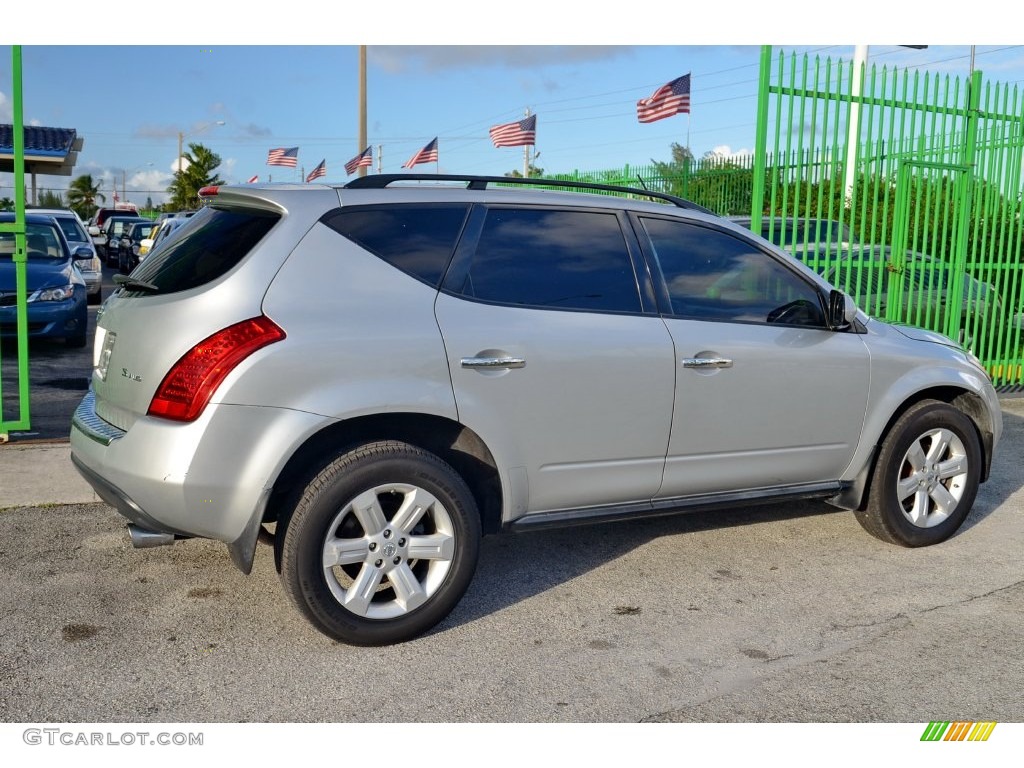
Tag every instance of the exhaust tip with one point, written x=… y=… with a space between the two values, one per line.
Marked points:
x=143 y=538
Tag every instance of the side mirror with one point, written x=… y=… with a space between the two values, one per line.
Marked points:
x=83 y=253
x=841 y=310
x=94 y=230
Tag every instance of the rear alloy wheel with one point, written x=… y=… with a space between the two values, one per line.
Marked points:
x=926 y=477
x=382 y=544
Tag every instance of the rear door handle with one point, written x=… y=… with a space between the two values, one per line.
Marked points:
x=707 y=362
x=493 y=362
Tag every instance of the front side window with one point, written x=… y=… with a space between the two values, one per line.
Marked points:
x=552 y=259
x=712 y=275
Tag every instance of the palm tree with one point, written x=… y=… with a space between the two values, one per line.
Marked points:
x=200 y=172
x=83 y=193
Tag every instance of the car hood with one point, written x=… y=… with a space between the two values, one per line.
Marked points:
x=39 y=273
x=921 y=334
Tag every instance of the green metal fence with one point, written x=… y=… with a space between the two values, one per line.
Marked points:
x=921 y=173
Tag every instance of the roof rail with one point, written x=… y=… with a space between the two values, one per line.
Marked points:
x=383 y=180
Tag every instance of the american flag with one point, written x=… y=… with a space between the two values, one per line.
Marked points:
x=671 y=99
x=283 y=156
x=426 y=155
x=320 y=170
x=518 y=134
x=363 y=160
x=253 y=179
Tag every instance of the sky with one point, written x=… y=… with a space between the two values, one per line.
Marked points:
x=254 y=91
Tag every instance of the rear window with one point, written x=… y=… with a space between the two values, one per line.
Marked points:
x=72 y=229
x=212 y=242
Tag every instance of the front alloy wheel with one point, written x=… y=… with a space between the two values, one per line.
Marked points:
x=381 y=545
x=926 y=476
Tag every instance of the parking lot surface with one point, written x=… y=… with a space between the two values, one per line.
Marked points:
x=773 y=614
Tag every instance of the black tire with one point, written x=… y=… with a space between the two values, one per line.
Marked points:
x=428 y=557
x=75 y=342
x=96 y=298
x=926 y=477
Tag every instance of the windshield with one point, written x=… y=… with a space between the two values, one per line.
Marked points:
x=42 y=242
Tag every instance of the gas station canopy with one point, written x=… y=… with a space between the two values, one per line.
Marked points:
x=48 y=151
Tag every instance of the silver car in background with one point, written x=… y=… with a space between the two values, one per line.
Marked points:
x=375 y=375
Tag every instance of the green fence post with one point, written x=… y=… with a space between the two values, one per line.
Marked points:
x=20 y=254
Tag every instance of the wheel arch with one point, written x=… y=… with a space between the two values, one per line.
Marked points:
x=450 y=441
x=855 y=497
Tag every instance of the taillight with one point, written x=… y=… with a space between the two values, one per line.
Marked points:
x=209 y=191
x=191 y=382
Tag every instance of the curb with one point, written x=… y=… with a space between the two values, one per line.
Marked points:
x=40 y=473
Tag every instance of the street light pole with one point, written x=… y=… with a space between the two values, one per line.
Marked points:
x=181 y=139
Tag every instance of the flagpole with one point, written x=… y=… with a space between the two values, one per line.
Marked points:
x=526 y=154
x=380 y=157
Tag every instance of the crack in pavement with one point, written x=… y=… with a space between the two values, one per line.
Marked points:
x=751 y=678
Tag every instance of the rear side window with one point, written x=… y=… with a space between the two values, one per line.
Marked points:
x=417 y=239
x=552 y=259
x=212 y=242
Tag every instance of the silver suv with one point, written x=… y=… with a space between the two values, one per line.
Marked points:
x=374 y=375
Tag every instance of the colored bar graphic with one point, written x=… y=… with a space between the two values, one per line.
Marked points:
x=958 y=731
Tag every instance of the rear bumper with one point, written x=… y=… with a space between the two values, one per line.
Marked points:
x=210 y=478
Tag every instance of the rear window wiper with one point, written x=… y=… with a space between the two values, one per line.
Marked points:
x=134 y=284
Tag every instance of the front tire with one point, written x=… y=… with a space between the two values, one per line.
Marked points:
x=926 y=477
x=381 y=545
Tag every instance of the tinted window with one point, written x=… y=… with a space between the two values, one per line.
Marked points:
x=417 y=239
x=553 y=259
x=711 y=275
x=214 y=241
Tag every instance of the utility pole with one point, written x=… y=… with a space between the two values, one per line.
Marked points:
x=860 y=60
x=362 y=104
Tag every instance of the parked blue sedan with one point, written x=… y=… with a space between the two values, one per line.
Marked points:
x=55 y=286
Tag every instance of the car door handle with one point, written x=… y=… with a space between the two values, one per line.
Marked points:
x=707 y=362
x=493 y=362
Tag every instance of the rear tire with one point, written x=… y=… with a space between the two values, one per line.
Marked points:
x=926 y=477
x=381 y=545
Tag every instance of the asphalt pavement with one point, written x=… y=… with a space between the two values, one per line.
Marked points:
x=777 y=614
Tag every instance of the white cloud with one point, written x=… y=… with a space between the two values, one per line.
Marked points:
x=6 y=109
x=724 y=150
